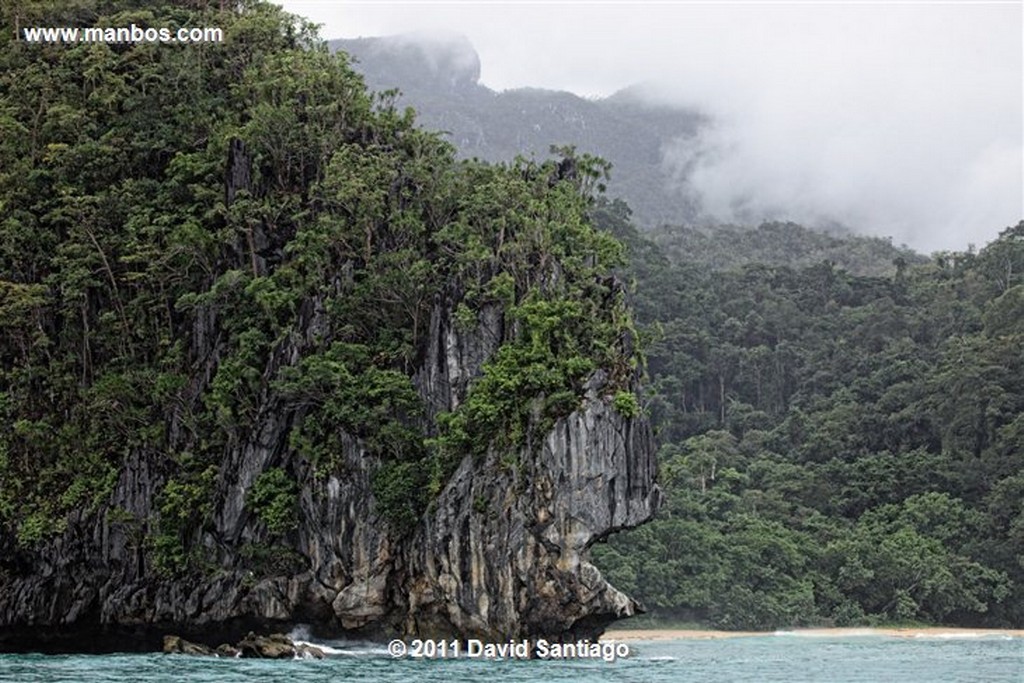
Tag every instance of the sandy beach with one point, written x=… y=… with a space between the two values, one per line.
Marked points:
x=929 y=632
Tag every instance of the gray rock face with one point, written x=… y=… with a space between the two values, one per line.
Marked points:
x=501 y=553
x=504 y=555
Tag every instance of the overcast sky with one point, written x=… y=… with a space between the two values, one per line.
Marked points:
x=899 y=119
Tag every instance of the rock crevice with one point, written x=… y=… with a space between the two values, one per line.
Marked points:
x=501 y=553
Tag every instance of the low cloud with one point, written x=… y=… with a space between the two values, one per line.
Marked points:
x=901 y=119
x=904 y=177
x=923 y=147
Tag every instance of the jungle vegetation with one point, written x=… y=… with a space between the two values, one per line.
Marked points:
x=835 y=448
x=841 y=422
x=191 y=236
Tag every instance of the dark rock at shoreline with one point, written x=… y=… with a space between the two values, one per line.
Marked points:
x=304 y=651
x=273 y=646
x=178 y=645
x=225 y=650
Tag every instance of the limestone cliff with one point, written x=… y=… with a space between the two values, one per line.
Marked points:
x=270 y=354
x=502 y=553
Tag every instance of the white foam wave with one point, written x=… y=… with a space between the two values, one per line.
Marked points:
x=853 y=632
x=342 y=649
x=891 y=633
x=301 y=635
x=963 y=636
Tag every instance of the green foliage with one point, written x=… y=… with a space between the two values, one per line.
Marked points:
x=561 y=343
x=112 y=189
x=274 y=499
x=190 y=234
x=729 y=247
x=465 y=318
x=626 y=404
x=341 y=389
x=837 y=448
x=271 y=559
x=184 y=507
x=37 y=526
x=191 y=239
x=902 y=563
x=481 y=505
x=399 y=488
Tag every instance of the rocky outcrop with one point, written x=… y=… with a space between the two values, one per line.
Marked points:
x=502 y=552
x=252 y=646
x=176 y=645
x=274 y=646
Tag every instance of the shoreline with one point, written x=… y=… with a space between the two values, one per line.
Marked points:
x=909 y=632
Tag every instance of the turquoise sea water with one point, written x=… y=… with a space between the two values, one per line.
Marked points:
x=780 y=658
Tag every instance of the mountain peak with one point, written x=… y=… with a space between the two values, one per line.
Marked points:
x=431 y=58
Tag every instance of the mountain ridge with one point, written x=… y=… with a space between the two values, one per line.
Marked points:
x=496 y=126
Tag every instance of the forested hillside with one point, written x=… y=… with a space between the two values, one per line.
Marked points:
x=270 y=354
x=439 y=75
x=730 y=247
x=835 y=448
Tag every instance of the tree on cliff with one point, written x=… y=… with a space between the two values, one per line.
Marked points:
x=197 y=237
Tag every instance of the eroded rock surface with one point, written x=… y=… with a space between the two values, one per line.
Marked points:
x=501 y=553
x=252 y=646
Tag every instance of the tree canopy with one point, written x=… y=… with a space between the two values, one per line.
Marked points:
x=836 y=448
x=195 y=236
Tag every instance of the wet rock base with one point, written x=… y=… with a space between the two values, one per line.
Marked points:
x=252 y=646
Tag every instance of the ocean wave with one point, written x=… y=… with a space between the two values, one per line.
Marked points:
x=898 y=633
x=966 y=635
x=827 y=633
x=301 y=635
